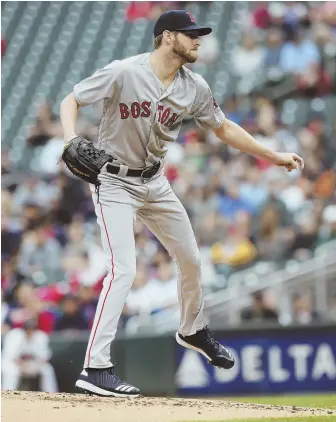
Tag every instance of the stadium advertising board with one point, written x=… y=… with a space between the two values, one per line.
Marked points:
x=263 y=365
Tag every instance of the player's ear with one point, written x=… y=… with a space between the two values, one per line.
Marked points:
x=168 y=36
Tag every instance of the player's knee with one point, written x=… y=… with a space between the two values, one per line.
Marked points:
x=191 y=262
x=132 y=274
x=127 y=272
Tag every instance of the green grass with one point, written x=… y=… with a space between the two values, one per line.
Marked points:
x=299 y=419
x=316 y=400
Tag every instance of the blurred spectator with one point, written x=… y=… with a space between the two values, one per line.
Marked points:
x=151 y=294
x=25 y=305
x=10 y=277
x=303 y=312
x=301 y=57
x=293 y=194
x=88 y=302
x=35 y=191
x=230 y=204
x=259 y=311
x=71 y=317
x=150 y=9
x=253 y=190
x=324 y=36
x=165 y=281
x=83 y=260
x=248 y=57
x=328 y=226
x=233 y=251
x=325 y=12
x=274 y=42
x=305 y=238
x=5 y=163
x=232 y=110
x=3 y=46
x=145 y=246
x=4 y=313
x=325 y=185
x=261 y=16
x=209 y=229
x=143 y=295
x=49 y=156
x=11 y=234
x=25 y=358
x=201 y=200
x=209 y=50
x=138 y=10
x=71 y=200
x=48 y=127
x=272 y=240
x=39 y=253
x=290 y=15
x=299 y=40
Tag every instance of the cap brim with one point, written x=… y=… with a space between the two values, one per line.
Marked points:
x=200 y=30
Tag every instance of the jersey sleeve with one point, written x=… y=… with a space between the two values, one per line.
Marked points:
x=205 y=110
x=104 y=83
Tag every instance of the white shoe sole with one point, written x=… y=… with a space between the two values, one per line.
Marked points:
x=90 y=388
x=189 y=346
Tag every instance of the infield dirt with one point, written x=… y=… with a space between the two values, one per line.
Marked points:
x=61 y=407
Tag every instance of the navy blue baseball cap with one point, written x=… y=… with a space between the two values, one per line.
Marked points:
x=179 y=21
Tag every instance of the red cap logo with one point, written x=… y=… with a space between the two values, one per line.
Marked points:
x=191 y=17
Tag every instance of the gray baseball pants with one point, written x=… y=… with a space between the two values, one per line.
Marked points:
x=120 y=200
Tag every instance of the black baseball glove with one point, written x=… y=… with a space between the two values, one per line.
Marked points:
x=84 y=160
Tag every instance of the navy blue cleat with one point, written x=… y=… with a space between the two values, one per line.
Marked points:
x=103 y=382
x=204 y=342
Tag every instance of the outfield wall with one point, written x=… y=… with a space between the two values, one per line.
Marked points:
x=268 y=360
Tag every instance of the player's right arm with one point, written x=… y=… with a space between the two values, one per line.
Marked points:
x=209 y=115
x=103 y=84
x=234 y=135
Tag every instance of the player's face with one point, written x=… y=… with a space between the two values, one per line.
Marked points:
x=186 y=45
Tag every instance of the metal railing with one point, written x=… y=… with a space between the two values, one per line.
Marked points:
x=226 y=305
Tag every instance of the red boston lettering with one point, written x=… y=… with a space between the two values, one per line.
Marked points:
x=172 y=120
x=165 y=115
x=135 y=110
x=145 y=108
x=124 y=113
x=160 y=108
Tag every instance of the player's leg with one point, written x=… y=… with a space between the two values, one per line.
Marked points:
x=170 y=224
x=168 y=220
x=116 y=225
x=10 y=375
x=115 y=215
x=48 y=382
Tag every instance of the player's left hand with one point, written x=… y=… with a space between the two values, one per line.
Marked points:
x=289 y=160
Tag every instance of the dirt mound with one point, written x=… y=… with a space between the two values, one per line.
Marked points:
x=61 y=407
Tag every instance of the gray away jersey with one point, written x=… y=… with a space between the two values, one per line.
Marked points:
x=140 y=116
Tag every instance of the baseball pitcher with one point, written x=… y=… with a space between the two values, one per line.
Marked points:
x=146 y=98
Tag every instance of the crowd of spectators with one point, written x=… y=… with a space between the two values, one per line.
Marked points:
x=263 y=309
x=289 y=40
x=242 y=209
x=151 y=10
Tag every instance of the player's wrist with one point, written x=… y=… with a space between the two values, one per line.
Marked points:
x=68 y=137
x=270 y=155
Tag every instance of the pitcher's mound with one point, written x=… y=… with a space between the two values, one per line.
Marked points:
x=61 y=407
